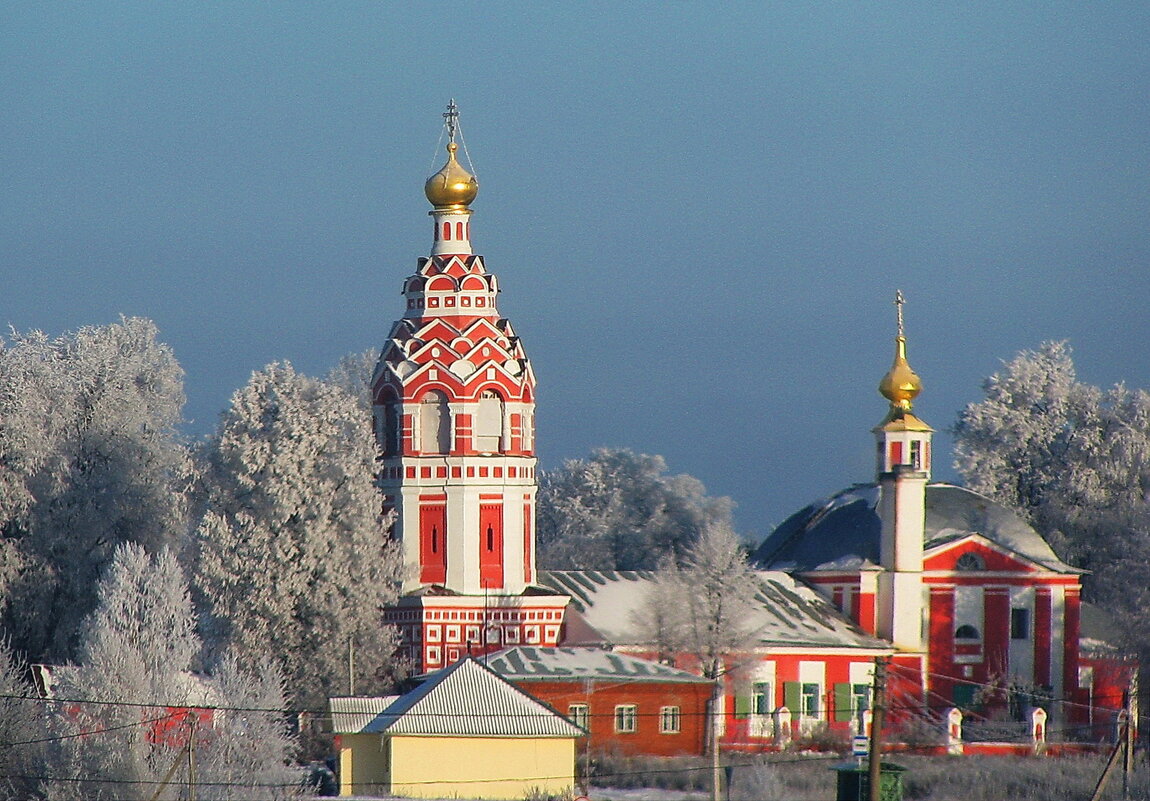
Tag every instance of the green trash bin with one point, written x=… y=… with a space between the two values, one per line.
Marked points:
x=854 y=782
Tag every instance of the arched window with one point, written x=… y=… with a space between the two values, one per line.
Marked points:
x=434 y=423
x=970 y=561
x=389 y=440
x=447 y=230
x=489 y=423
x=966 y=632
x=459 y=230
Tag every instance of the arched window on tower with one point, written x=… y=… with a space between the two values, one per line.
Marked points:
x=434 y=423
x=489 y=423
x=389 y=434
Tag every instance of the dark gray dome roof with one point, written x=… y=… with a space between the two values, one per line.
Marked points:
x=842 y=532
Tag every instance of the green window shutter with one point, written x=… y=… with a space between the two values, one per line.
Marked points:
x=843 y=702
x=793 y=697
x=742 y=706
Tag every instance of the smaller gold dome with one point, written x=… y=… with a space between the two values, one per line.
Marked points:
x=452 y=187
x=901 y=384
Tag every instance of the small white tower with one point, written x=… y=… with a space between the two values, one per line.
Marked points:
x=903 y=467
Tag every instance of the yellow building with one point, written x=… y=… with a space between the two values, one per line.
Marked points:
x=465 y=732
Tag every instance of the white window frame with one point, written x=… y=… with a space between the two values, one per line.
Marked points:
x=580 y=715
x=670 y=720
x=626 y=718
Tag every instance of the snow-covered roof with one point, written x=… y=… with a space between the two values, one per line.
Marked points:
x=530 y=663
x=186 y=689
x=787 y=612
x=468 y=700
x=351 y=714
x=842 y=532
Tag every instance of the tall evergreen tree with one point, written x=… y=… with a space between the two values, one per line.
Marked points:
x=126 y=718
x=291 y=557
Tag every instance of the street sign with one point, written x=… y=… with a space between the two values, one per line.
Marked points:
x=860 y=744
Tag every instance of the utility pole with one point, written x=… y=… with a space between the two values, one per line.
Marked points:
x=716 y=767
x=877 y=709
x=192 y=755
x=1128 y=740
x=350 y=666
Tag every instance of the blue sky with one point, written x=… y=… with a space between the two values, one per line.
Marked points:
x=699 y=213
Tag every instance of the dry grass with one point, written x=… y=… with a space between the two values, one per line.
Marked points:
x=791 y=777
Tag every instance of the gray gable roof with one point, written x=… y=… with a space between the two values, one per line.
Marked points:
x=842 y=532
x=787 y=613
x=351 y=714
x=529 y=663
x=468 y=700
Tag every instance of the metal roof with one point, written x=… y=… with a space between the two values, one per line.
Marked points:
x=529 y=663
x=842 y=532
x=787 y=612
x=351 y=714
x=469 y=700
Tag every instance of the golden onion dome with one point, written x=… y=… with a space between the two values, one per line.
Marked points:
x=452 y=187
x=901 y=384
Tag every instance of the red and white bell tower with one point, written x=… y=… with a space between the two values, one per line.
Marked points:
x=454 y=403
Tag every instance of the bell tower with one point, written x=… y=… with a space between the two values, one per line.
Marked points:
x=903 y=467
x=454 y=409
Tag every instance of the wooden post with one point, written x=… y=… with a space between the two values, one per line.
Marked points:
x=879 y=705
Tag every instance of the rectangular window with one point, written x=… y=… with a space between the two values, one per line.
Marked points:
x=810 y=700
x=626 y=718
x=916 y=454
x=1019 y=624
x=669 y=720
x=580 y=715
x=761 y=700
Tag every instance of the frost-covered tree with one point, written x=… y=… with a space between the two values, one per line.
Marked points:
x=619 y=510
x=701 y=607
x=90 y=457
x=291 y=558
x=22 y=728
x=131 y=705
x=1068 y=456
x=353 y=375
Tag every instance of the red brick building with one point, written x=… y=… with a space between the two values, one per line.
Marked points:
x=625 y=704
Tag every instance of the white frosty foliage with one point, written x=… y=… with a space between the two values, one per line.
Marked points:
x=21 y=728
x=703 y=607
x=248 y=751
x=618 y=510
x=292 y=558
x=89 y=457
x=123 y=718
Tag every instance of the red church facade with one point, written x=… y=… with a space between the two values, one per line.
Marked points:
x=966 y=603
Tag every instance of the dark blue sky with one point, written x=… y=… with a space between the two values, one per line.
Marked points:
x=699 y=213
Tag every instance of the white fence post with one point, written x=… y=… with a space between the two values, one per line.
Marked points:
x=1038 y=729
x=782 y=726
x=954 y=731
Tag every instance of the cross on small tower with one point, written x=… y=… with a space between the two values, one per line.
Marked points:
x=899 y=300
x=451 y=119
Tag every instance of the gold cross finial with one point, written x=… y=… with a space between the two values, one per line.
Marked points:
x=899 y=300
x=451 y=119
